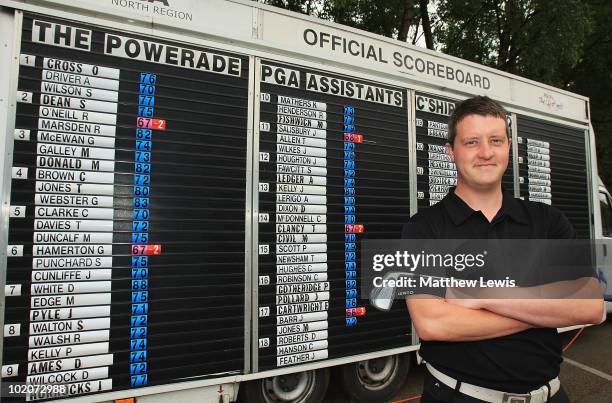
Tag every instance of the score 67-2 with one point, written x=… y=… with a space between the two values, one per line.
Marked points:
x=148 y=123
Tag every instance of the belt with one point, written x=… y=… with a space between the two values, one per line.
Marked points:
x=539 y=395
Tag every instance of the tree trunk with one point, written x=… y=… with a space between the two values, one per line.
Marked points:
x=426 y=24
x=406 y=20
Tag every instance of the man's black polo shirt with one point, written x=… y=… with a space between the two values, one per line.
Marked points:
x=516 y=363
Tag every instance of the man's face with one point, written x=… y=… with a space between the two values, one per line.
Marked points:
x=481 y=151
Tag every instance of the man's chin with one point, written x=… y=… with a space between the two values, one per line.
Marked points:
x=486 y=183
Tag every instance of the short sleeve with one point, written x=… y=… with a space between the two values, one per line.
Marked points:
x=575 y=260
x=559 y=226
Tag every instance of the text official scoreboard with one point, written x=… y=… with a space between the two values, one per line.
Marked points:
x=126 y=252
x=333 y=171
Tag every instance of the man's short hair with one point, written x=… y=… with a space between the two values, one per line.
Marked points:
x=479 y=105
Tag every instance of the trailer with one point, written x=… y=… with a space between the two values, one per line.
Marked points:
x=185 y=186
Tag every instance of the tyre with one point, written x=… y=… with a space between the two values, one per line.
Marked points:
x=376 y=380
x=298 y=387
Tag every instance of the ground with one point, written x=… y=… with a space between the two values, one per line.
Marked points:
x=586 y=374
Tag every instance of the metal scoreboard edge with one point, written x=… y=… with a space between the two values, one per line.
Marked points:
x=591 y=189
x=10 y=29
x=254 y=283
x=412 y=174
x=412 y=161
x=515 y=164
x=249 y=214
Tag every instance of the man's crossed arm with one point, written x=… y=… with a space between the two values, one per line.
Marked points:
x=464 y=319
x=560 y=304
x=437 y=319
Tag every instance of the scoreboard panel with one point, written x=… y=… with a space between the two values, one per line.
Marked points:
x=552 y=169
x=333 y=170
x=436 y=173
x=126 y=255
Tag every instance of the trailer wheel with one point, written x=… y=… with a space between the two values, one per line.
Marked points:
x=298 y=387
x=375 y=380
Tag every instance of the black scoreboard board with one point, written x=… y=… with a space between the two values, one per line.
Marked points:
x=436 y=173
x=127 y=218
x=552 y=169
x=333 y=171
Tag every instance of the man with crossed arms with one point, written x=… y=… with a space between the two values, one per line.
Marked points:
x=495 y=350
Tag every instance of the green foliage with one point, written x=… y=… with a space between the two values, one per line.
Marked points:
x=566 y=44
x=382 y=17
x=300 y=6
x=539 y=39
x=592 y=77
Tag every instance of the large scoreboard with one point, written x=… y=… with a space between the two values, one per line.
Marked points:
x=180 y=212
x=126 y=255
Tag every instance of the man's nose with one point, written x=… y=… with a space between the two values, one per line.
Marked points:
x=485 y=151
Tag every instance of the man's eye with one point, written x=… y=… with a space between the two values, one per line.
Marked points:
x=470 y=142
x=497 y=141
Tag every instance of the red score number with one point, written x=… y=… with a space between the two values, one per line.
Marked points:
x=361 y=311
x=154 y=249
x=148 y=123
x=354 y=228
x=355 y=138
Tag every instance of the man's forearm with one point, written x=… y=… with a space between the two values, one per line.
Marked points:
x=436 y=319
x=560 y=304
x=549 y=312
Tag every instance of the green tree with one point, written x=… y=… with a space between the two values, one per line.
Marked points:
x=592 y=77
x=566 y=44
x=391 y=18
x=538 y=39
x=384 y=17
x=300 y=6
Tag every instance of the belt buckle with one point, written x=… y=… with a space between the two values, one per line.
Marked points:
x=516 y=398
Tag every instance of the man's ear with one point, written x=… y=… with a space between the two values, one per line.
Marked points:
x=449 y=151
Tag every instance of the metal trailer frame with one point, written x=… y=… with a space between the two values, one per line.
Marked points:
x=10 y=27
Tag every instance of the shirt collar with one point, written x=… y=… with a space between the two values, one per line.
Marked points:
x=513 y=208
x=459 y=210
